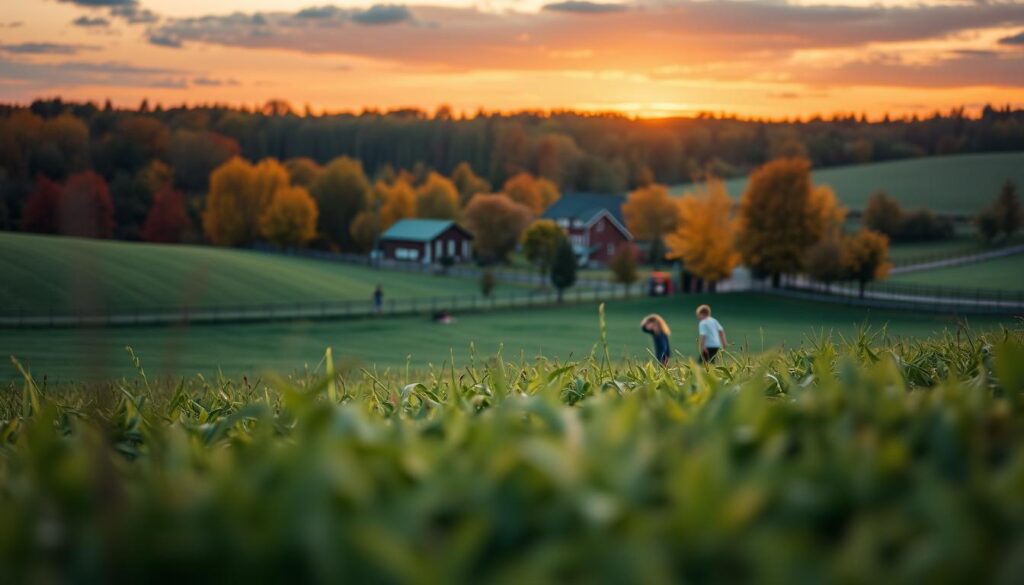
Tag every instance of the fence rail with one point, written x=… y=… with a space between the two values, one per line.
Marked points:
x=907 y=296
x=955 y=258
x=505 y=273
x=312 y=310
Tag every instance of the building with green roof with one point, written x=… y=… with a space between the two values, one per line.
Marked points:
x=429 y=241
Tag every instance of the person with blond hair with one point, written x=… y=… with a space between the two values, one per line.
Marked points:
x=657 y=328
x=712 y=334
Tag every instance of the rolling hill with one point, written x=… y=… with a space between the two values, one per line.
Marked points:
x=960 y=184
x=44 y=273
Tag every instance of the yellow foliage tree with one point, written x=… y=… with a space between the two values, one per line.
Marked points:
x=524 y=190
x=290 y=219
x=341 y=191
x=703 y=239
x=866 y=256
x=437 y=198
x=650 y=213
x=389 y=203
x=397 y=201
x=269 y=176
x=468 y=183
x=239 y=194
x=303 y=171
x=826 y=216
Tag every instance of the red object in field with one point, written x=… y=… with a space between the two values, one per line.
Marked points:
x=659 y=285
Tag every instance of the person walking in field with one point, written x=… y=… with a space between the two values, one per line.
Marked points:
x=378 y=300
x=712 y=334
x=657 y=328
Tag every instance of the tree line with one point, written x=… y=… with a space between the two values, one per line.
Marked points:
x=575 y=151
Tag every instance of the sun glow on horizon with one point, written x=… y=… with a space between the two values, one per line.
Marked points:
x=681 y=59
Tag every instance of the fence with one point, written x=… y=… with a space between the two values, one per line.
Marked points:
x=908 y=296
x=504 y=274
x=312 y=310
x=953 y=258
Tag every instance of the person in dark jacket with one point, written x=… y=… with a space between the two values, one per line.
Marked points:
x=657 y=328
x=378 y=300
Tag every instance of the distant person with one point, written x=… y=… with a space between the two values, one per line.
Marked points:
x=657 y=328
x=712 y=335
x=378 y=300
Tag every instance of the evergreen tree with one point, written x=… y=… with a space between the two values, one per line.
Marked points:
x=563 y=270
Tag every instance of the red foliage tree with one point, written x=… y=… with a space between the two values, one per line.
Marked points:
x=167 y=220
x=85 y=207
x=40 y=214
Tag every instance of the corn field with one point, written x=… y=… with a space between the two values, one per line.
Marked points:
x=860 y=460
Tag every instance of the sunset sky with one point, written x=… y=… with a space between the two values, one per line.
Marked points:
x=647 y=58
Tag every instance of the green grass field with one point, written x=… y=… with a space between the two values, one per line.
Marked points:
x=961 y=245
x=43 y=273
x=947 y=184
x=1006 y=274
x=751 y=321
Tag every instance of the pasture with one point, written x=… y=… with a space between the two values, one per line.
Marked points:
x=43 y=273
x=961 y=184
x=1003 y=274
x=569 y=332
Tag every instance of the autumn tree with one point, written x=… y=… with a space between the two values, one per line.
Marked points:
x=41 y=213
x=704 y=235
x=883 y=214
x=168 y=220
x=468 y=183
x=437 y=198
x=563 y=269
x=650 y=213
x=496 y=223
x=623 y=266
x=133 y=196
x=866 y=257
x=302 y=171
x=549 y=192
x=341 y=192
x=778 y=217
x=540 y=241
x=823 y=261
x=536 y=194
x=85 y=207
x=239 y=194
x=388 y=204
x=826 y=215
x=290 y=219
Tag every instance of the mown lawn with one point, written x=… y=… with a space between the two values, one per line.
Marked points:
x=44 y=273
x=752 y=321
x=1006 y=274
x=948 y=184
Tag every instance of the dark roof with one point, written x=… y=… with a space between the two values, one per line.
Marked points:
x=418 y=230
x=584 y=206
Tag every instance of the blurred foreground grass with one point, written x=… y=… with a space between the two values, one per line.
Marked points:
x=863 y=461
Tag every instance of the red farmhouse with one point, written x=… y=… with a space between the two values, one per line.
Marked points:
x=426 y=241
x=594 y=224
